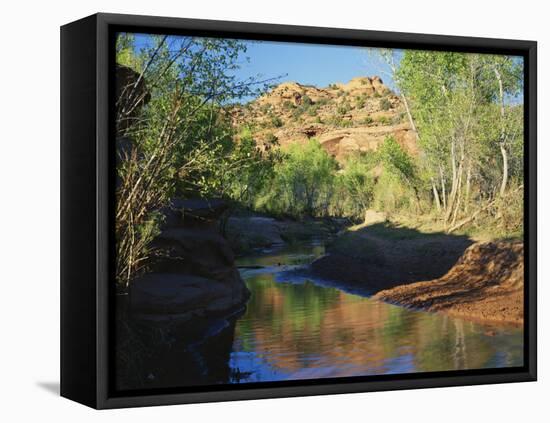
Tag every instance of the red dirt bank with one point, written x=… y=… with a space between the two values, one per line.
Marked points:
x=485 y=284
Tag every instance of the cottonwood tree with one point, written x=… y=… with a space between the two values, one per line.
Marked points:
x=458 y=102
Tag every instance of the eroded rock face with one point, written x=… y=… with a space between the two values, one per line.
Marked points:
x=343 y=142
x=192 y=270
x=346 y=118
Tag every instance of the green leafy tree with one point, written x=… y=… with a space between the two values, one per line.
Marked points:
x=173 y=132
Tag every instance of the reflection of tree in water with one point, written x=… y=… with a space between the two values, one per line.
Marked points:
x=460 y=345
x=297 y=330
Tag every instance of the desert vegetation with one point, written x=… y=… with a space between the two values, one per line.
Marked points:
x=175 y=115
x=313 y=198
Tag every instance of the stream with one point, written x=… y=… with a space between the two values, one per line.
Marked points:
x=297 y=327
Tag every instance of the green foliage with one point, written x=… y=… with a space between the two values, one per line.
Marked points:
x=357 y=183
x=343 y=108
x=397 y=161
x=463 y=108
x=345 y=123
x=180 y=141
x=265 y=108
x=302 y=182
x=385 y=104
x=306 y=100
x=367 y=120
x=271 y=138
x=276 y=121
x=383 y=120
x=288 y=105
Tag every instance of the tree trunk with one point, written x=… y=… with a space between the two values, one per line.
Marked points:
x=504 y=154
x=443 y=190
x=502 y=140
x=468 y=187
x=436 y=197
x=409 y=115
x=454 y=185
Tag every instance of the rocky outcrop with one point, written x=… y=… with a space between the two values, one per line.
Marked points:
x=342 y=142
x=192 y=269
x=346 y=118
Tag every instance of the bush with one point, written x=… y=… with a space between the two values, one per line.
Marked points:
x=270 y=138
x=306 y=100
x=343 y=108
x=276 y=121
x=302 y=182
x=344 y=123
x=265 y=108
x=385 y=104
x=383 y=120
x=288 y=105
x=367 y=120
x=297 y=112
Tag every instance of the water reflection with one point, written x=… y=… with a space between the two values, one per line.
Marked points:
x=295 y=328
x=298 y=328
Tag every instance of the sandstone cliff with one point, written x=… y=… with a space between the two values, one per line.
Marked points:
x=345 y=118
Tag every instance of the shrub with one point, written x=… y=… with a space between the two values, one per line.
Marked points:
x=265 y=108
x=383 y=120
x=276 y=121
x=346 y=123
x=385 y=104
x=288 y=105
x=297 y=112
x=322 y=102
x=270 y=138
x=306 y=100
x=343 y=108
x=367 y=120
x=312 y=111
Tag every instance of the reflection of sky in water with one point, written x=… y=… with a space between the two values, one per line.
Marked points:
x=296 y=328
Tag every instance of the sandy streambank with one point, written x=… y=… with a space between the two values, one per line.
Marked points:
x=486 y=284
x=371 y=258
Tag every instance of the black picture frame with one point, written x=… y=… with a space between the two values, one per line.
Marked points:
x=86 y=199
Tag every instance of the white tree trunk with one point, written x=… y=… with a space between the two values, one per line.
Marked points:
x=502 y=141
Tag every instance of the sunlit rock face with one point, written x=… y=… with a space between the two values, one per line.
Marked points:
x=346 y=118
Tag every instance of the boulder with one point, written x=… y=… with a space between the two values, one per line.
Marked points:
x=183 y=295
x=192 y=269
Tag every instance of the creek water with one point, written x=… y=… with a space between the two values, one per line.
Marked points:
x=299 y=327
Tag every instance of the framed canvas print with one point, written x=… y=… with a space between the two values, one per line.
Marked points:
x=255 y=211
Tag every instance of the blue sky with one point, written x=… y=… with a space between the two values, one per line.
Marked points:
x=314 y=64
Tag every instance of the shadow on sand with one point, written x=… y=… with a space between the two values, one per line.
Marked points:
x=384 y=255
